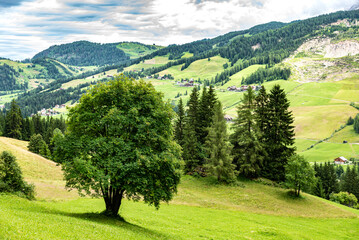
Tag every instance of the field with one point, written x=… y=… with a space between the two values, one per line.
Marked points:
x=203 y=69
x=200 y=210
x=135 y=50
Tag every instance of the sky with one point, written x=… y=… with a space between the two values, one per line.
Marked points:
x=30 y=26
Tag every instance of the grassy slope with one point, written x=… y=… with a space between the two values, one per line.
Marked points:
x=203 y=69
x=135 y=50
x=201 y=210
x=46 y=176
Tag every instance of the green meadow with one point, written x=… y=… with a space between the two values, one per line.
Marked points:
x=202 y=209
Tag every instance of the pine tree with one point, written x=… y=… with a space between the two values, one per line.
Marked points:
x=356 y=123
x=279 y=135
x=205 y=117
x=13 y=121
x=218 y=148
x=247 y=150
x=191 y=146
x=350 y=182
x=179 y=123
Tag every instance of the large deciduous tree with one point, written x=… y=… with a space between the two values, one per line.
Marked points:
x=120 y=144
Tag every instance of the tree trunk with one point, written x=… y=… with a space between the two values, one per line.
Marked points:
x=113 y=201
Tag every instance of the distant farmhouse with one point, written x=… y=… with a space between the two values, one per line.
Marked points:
x=186 y=83
x=243 y=88
x=341 y=160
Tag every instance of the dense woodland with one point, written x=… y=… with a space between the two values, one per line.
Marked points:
x=35 y=128
x=8 y=78
x=84 y=53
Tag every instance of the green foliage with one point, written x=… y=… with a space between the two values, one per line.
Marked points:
x=120 y=144
x=13 y=121
x=299 y=174
x=179 y=123
x=350 y=181
x=356 y=123
x=350 y=121
x=191 y=145
x=248 y=151
x=268 y=74
x=278 y=134
x=344 y=198
x=327 y=180
x=39 y=146
x=83 y=53
x=11 y=179
x=218 y=148
x=8 y=78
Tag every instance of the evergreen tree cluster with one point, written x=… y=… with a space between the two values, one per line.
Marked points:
x=334 y=179
x=267 y=74
x=51 y=69
x=39 y=130
x=261 y=143
x=8 y=78
x=84 y=53
x=263 y=135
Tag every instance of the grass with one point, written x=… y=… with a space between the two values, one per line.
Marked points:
x=236 y=79
x=200 y=210
x=45 y=174
x=81 y=218
x=347 y=134
x=203 y=69
x=303 y=144
x=319 y=122
x=154 y=62
x=327 y=151
x=135 y=50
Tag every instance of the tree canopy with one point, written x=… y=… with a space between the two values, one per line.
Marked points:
x=120 y=143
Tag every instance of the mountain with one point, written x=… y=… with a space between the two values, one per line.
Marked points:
x=84 y=53
x=354 y=7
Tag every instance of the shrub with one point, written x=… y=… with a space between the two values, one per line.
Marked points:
x=11 y=179
x=344 y=198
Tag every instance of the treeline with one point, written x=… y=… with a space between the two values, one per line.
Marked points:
x=32 y=101
x=332 y=180
x=84 y=53
x=51 y=69
x=8 y=79
x=13 y=125
x=261 y=143
x=267 y=74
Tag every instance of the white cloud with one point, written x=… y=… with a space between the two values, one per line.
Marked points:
x=38 y=24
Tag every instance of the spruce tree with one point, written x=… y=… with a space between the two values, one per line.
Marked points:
x=205 y=117
x=179 y=124
x=279 y=135
x=350 y=182
x=191 y=146
x=248 y=151
x=218 y=148
x=13 y=121
x=356 y=123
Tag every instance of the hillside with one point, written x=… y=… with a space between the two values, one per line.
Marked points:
x=200 y=210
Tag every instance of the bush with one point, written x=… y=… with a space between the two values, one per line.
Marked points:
x=344 y=198
x=38 y=145
x=11 y=179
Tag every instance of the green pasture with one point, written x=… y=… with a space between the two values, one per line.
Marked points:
x=149 y=63
x=203 y=69
x=327 y=151
x=319 y=122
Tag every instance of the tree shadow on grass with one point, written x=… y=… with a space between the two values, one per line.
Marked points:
x=101 y=218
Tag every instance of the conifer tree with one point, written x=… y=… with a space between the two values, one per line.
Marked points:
x=247 y=151
x=279 y=135
x=179 y=124
x=218 y=148
x=350 y=182
x=191 y=146
x=356 y=123
x=13 y=121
